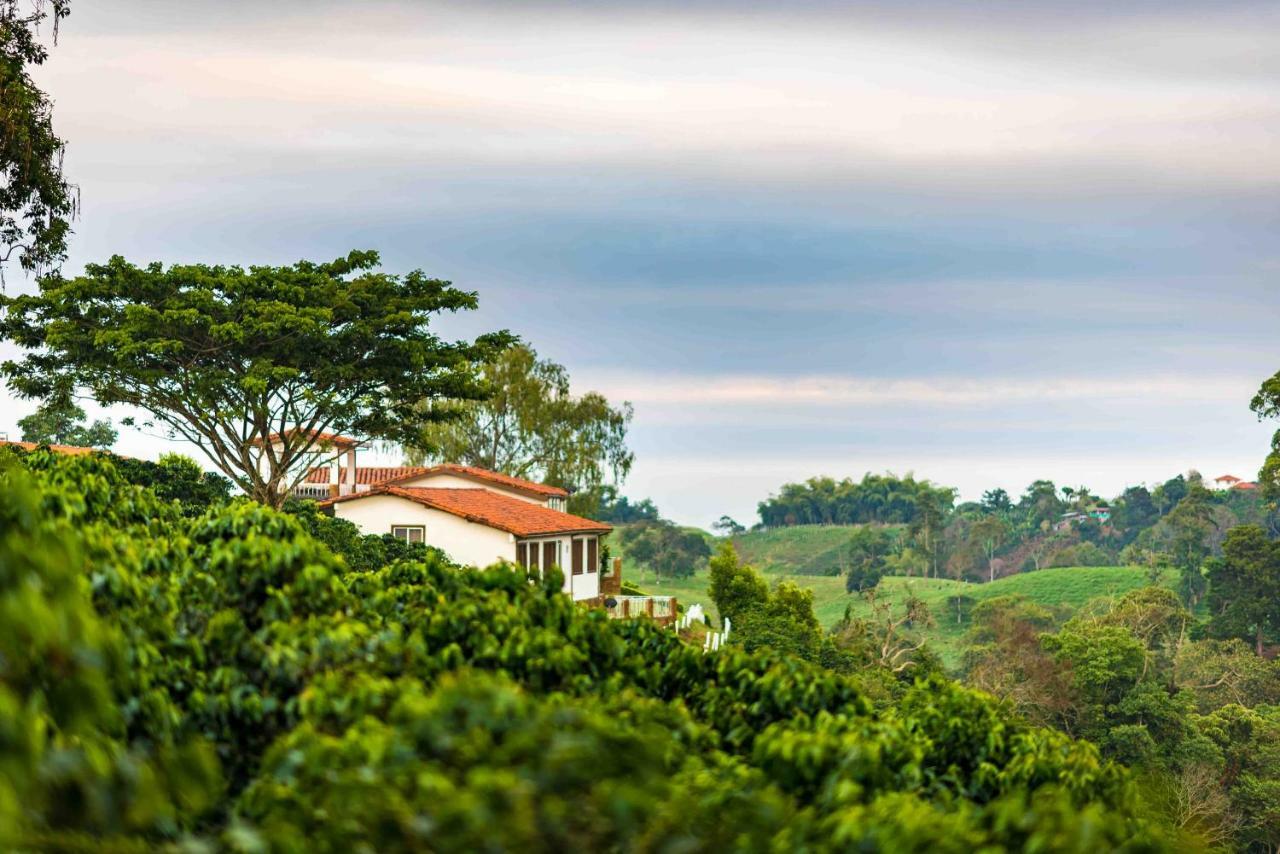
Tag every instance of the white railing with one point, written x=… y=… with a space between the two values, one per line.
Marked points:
x=715 y=640
x=318 y=491
x=658 y=607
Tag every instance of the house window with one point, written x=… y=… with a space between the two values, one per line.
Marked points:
x=550 y=554
x=577 y=557
x=593 y=559
x=522 y=554
x=409 y=533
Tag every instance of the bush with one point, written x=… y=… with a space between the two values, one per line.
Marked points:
x=417 y=705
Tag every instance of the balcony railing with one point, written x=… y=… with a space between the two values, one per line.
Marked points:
x=660 y=608
x=316 y=491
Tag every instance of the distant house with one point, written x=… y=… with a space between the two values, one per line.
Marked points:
x=476 y=517
x=72 y=450
x=1100 y=513
x=1245 y=485
x=1226 y=481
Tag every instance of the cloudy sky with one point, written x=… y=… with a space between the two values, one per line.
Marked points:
x=982 y=242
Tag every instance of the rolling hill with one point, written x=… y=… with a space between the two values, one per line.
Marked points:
x=795 y=553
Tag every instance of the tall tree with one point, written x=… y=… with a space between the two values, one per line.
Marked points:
x=530 y=426
x=996 y=501
x=869 y=547
x=255 y=367
x=991 y=532
x=930 y=520
x=60 y=421
x=1192 y=525
x=1244 y=587
x=1266 y=404
x=36 y=201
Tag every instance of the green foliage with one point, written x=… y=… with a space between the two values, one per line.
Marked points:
x=418 y=705
x=869 y=548
x=735 y=587
x=224 y=357
x=876 y=498
x=36 y=201
x=604 y=504
x=59 y=421
x=175 y=477
x=1266 y=404
x=667 y=549
x=1244 y=591
x=529 y=425
x=1082 y=554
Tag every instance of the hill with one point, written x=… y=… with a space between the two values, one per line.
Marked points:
x=797 y=550
x=1065 y=589
x=779 y=553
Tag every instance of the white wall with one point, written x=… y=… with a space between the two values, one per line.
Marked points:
x=465 y=542
x=445 y=480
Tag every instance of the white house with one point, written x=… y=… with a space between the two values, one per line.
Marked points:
x=476 y=517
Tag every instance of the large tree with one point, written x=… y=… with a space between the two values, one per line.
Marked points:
x=253 y=366
x=36 y=201
x=1266 y=404
x=990 y=531
x=1244 y=587
x=60 y=421
x=530 y=426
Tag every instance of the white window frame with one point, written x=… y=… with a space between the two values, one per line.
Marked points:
x=407 y=538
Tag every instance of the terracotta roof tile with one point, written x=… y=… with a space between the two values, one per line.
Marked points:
x=73 y=450
x=485 y=476
x=365 y=475
x=488 y=508
x=331 y=439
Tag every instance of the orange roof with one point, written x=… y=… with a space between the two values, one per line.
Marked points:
x=518 y=484
x=487 y=508
x=73 y=450
x=1227 y=478
x=331 y=439
x=366 y=475
x=1244 y=484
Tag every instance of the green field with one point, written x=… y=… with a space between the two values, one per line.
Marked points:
x=783 y=554
x=802 y=550
x=1065 y=588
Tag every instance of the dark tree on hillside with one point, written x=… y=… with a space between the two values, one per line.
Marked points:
x=886 y=499
x=996 y=501
x=36 y=201
x=1244 y=587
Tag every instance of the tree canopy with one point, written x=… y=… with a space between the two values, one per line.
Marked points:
x=36 y=200
x=876 y=498
x=227 y=357
x=59 y=420
x=530 y=425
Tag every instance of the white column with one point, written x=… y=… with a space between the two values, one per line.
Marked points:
x=351 y=471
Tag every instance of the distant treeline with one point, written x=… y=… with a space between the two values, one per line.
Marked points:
x=883 y=498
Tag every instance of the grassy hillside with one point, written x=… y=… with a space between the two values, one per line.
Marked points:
x=800 y=550
x=781 y=554
x=1066 y=588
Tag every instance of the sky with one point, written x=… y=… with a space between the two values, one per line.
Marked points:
x=983 y=243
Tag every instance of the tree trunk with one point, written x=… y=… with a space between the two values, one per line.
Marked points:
x=1258 y=642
